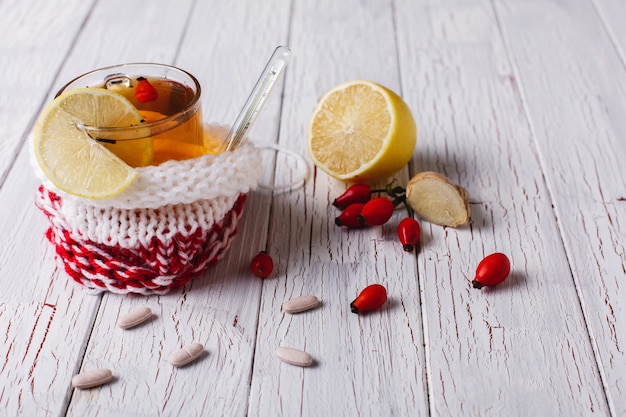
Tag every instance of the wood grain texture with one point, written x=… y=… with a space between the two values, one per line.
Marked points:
x=33 y=46
x=521 y=102
x=44 y=328
x=381 y=352
x=581 y=140
x=219 y=309
x=475 y=130
x=45 y=319
x=612 y=14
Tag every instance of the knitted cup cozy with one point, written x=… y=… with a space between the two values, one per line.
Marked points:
x=173 y=222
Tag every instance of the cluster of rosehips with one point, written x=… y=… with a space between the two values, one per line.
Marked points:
x=359 y=209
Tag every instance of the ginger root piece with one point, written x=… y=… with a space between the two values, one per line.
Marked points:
x=437 y=200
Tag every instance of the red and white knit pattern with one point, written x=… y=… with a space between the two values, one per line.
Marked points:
x=152 y=265
x=171 y=224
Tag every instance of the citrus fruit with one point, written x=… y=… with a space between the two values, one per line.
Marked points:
x=361 y=131
x=173 y=144
x=135 y=152
x=70 y=158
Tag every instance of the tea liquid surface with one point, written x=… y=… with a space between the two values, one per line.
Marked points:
x=183 y=137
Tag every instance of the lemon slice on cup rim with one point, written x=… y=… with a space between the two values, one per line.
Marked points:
x=73 y=161
x=361 y=131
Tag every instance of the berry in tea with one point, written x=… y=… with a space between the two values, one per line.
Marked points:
x=158 y=99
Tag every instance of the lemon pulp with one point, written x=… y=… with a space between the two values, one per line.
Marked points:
x=361 y=131
x=71 y=159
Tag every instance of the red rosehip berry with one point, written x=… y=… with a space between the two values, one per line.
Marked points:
x=371 y=298
x=350 y=216
x=356 y=193
x=492 y=270
x=377 y=211
x=145 y=92
x=409 y=233
x=262 y=265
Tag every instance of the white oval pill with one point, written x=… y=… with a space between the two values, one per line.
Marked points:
x=300 y=304
x=294 y=356
x=186 y=355
x=93 y=378
x=134 y=317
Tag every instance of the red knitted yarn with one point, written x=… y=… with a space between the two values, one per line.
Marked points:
x=156 y=267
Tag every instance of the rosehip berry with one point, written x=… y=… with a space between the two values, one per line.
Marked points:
x=356 y=193
x=371 y=298
x=492 y=270
x=350 y=216
x=262 y=265
x=145 y=92
x=377 y=211
x=409 y=233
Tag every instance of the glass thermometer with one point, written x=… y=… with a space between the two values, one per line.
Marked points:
x=262 y=89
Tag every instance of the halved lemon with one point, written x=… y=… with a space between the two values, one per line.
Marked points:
x=361 y=131
x=70 y=158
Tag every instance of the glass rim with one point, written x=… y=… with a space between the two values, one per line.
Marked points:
x=156 y=127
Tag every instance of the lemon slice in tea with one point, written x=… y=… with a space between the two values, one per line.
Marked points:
x=70 y=158
x=361 y=131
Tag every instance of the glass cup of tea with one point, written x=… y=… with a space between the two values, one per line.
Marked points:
x=168 y=99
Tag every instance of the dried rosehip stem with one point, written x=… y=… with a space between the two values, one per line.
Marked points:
x=362 y=193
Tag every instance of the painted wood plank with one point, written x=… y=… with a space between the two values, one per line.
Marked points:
x=38 y=313
x=579 y=127
x=219 y=309
x=116 y=34
x=366 y=365
x=35 y=40
x=45 y=318
x=612 y=14
x=527 y=338
x=521 y=348
x=46 y=341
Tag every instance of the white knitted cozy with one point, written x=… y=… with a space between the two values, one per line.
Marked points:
x=167 y=202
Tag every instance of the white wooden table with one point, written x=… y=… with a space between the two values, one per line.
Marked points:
x=521 y=102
